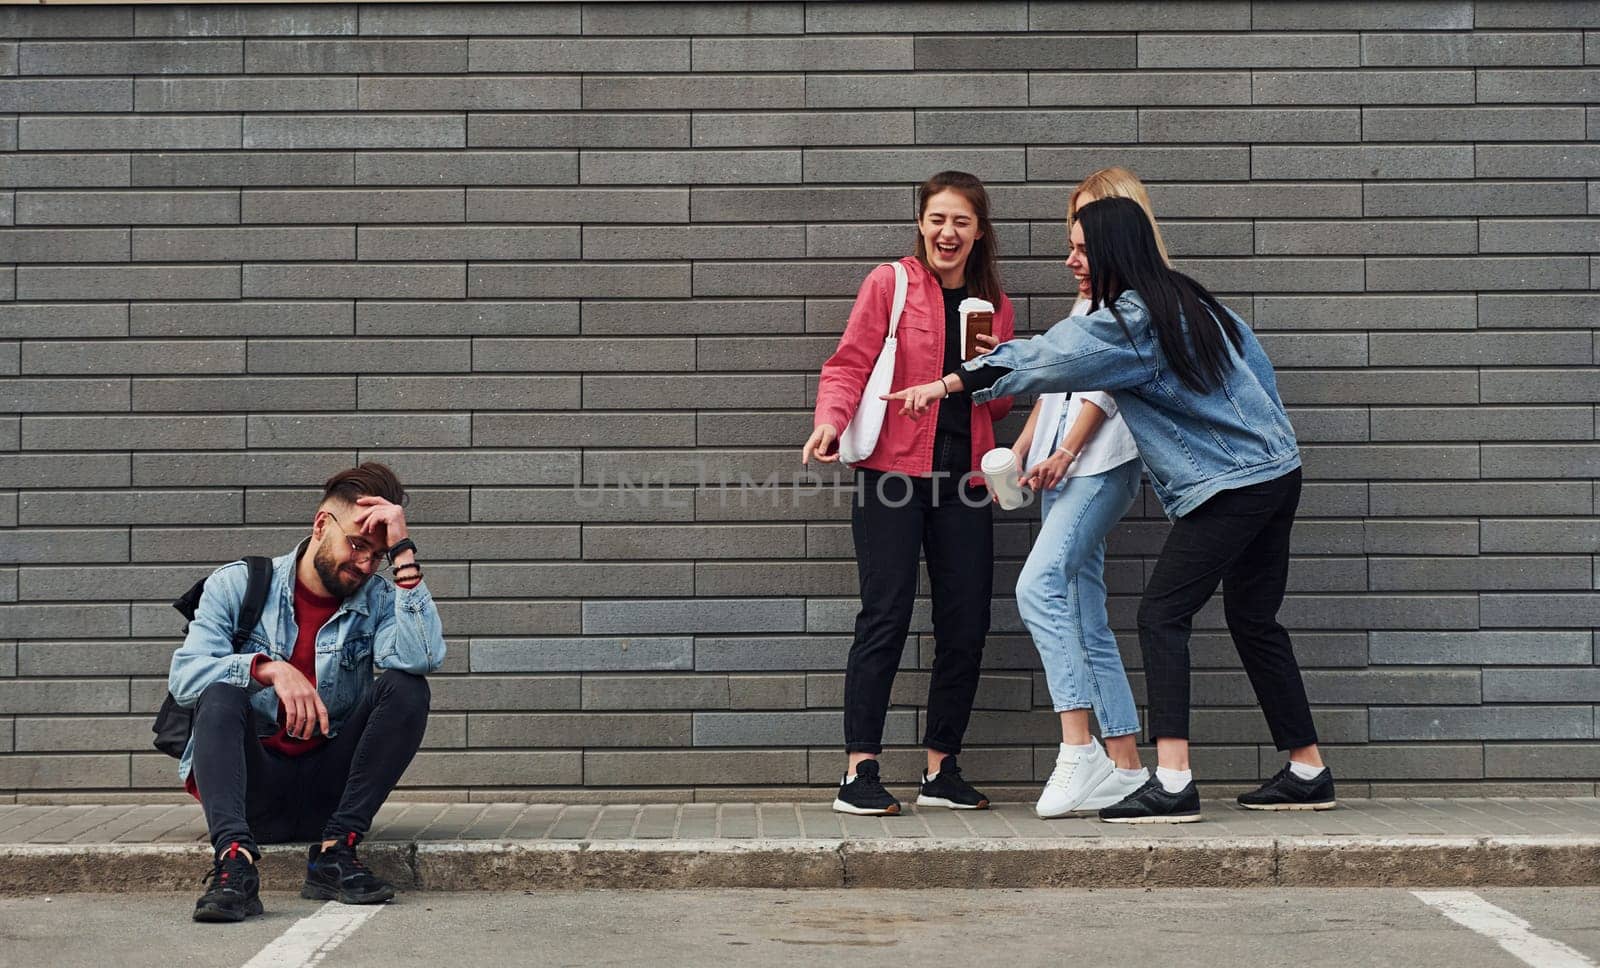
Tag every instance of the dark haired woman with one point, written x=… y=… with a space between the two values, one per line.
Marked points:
x=1200 y=398
x=920 y=490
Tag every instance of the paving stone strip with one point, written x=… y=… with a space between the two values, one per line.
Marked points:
x=510 y=846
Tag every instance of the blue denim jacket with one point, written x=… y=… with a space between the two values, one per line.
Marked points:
x=394 y=628
x=1193 y=444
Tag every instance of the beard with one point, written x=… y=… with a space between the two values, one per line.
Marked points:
x=340 y=581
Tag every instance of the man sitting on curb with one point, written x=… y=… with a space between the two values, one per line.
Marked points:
x=293 y=739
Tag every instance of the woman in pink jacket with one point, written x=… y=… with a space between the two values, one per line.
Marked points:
x=919 y=490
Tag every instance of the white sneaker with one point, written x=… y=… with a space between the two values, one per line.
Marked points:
x=1076 y=776
x=1114 y=789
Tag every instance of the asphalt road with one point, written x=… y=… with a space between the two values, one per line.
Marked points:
x=1014 y=928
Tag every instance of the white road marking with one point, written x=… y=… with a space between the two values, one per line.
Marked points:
x=310 y=939
x=1509 y=931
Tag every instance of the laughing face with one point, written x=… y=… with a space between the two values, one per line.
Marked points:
x=949 y=227
x=1078 y=262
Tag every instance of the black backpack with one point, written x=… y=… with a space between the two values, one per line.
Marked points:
x=174 y=722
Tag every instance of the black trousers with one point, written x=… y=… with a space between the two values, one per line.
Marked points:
x=252 y=795
x=894 y=517
x=1240 y=539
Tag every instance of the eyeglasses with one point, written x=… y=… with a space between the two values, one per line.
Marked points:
x=361 y=553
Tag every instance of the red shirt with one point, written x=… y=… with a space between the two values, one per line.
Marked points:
x=905 y=445
x=311 y=612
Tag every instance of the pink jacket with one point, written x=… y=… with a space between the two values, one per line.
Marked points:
x=905 y=445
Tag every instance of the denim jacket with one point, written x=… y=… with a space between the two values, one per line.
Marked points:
x=1193 y=444
x=382 y=625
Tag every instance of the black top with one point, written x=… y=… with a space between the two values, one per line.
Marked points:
x=983 y=377
x=954 y=434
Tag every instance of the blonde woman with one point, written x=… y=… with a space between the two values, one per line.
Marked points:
x=1082 y=461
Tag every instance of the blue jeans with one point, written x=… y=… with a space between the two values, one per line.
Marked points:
x=1062 y=597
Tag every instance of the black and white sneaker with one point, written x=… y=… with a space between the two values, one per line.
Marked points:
x=865 y=795
x=948 y=789
x=1285 y=791
x=1152 y=803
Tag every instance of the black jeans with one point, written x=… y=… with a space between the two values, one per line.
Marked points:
x=1239 y=538
x=894 y=516
x=251 y=794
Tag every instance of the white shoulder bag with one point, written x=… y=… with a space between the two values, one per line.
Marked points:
x=860 y=438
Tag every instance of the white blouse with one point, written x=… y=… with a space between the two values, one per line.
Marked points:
x=1111 y=446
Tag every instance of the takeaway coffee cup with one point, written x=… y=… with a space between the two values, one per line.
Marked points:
x=977 y=316
x=1000 y=470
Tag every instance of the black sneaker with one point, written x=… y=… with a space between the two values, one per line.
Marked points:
x=1285 y=791
x=1152 y=803
x=337 y=874
x=235 y=892
x=947 y=789
x=864 y=795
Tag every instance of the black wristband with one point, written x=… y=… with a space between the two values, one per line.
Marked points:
x=404 y=544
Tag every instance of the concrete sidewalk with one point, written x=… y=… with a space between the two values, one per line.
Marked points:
x=515 y=846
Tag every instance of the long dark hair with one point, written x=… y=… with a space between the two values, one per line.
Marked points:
x=983 y=262
x=1123 y=255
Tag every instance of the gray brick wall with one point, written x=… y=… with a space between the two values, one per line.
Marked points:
x=525 y=251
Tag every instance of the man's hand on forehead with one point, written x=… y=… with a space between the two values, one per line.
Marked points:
x=380 y=520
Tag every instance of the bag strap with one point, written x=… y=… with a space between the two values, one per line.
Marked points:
x=255 y=599
x=900 y=282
